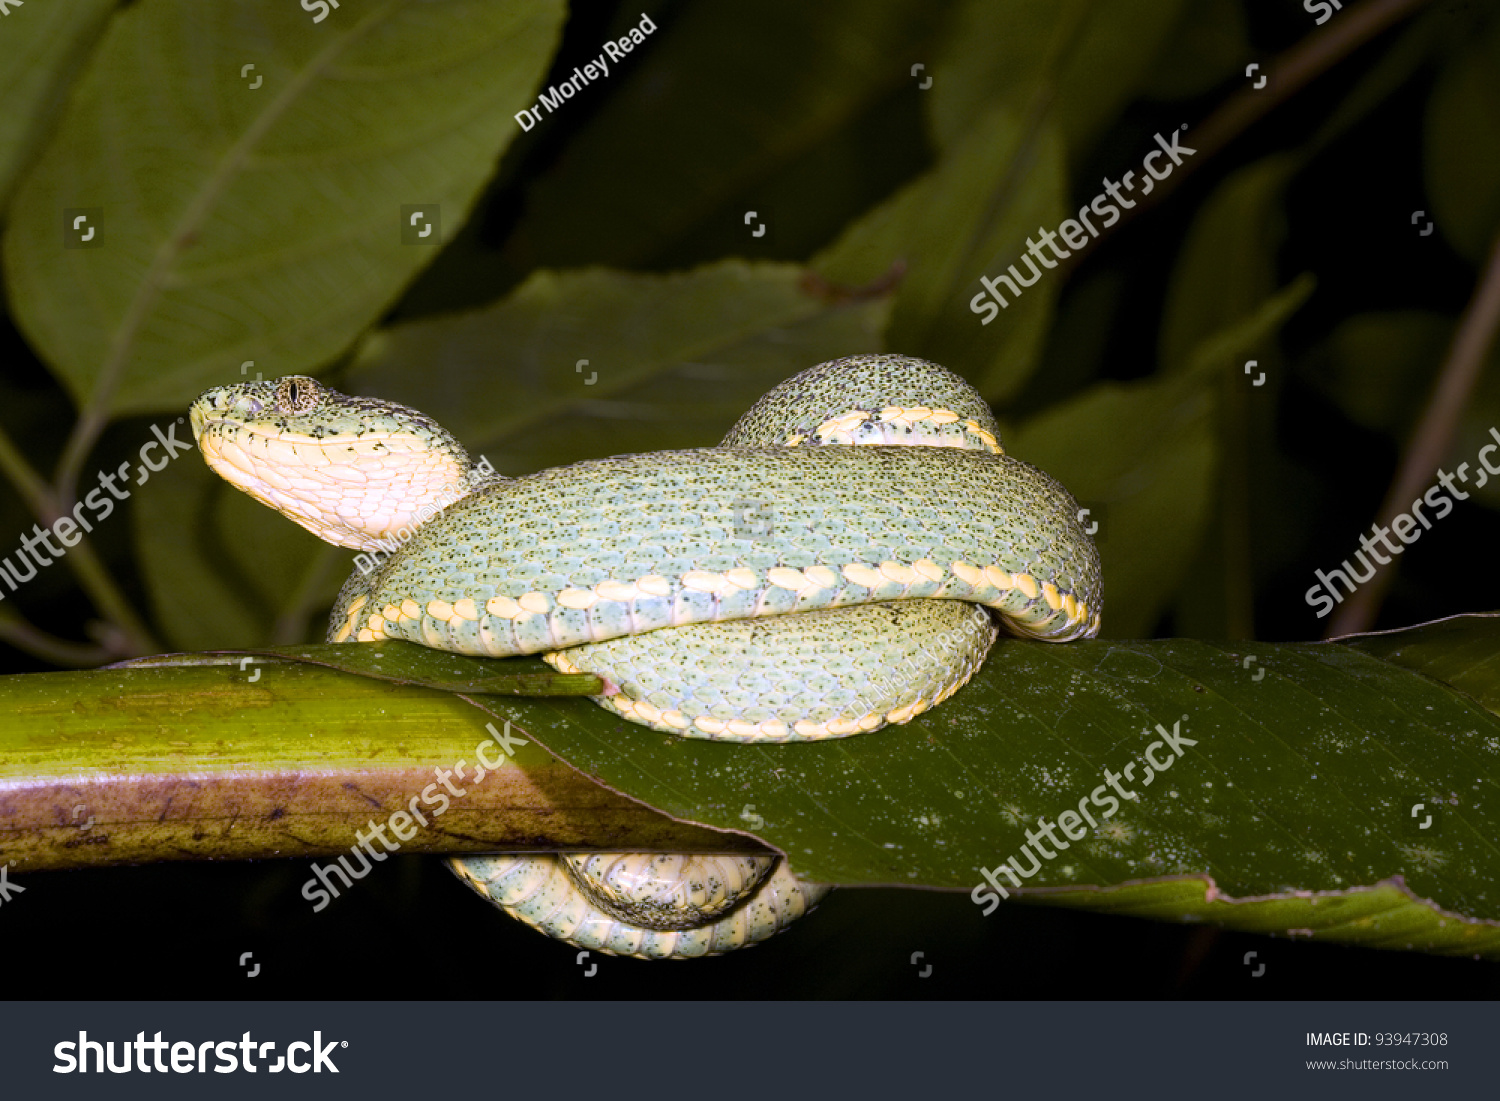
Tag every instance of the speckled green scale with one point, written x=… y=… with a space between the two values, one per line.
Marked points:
x=569 y=530
x=749 y=681
x=545 y=893
x=871 y=383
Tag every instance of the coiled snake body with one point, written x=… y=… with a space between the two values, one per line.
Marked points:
x=772 y=589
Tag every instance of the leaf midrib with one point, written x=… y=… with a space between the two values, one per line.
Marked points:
x=155 y=279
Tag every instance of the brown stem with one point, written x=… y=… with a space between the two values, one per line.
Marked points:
x=1287 y=75
x=1432 y=439
x=38 y=643
x=44 y=503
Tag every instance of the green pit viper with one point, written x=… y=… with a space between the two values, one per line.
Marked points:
x=839 y=562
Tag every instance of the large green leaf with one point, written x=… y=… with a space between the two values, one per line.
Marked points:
x=235 y=222
x=1209 y=45
x=1227 y=266
x=1080 y=60
x=1380 y=368
x=1141 y=457
x=575 y=365
x=970 y=216
x=1292 y=807
x=1458 y=651
x=695 y=129
x=1319 y=789
x=44 y=48
x=1226 y=271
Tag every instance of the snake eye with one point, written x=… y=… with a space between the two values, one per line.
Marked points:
x=297 y=394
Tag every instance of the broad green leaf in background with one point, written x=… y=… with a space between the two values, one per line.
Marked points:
x=1397 y=69
x=683 y=147
x=1227 y=266
x=261 y=223
x=1459 y=651
x=1380 y=370
x=1209 y=45
x=1258 y=324
x=222 y=570
x=1090 y=56
x=1461 y=154
x=1226 y=271
x=1083 y=344
x=1291 y=811
x=41 y=51
x=1379 y=367
x=1142 y=457
x=970 y=216
x=672 y=361
x=580 y=365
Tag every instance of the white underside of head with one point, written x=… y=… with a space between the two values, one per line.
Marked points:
x=353 y=492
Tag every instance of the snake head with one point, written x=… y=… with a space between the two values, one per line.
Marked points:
x=353 y=471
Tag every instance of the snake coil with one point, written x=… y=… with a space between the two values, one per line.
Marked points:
x=842 y=560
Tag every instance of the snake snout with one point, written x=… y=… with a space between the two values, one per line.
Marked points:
x=219 y=403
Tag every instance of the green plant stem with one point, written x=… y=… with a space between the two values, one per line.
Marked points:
x=38 y=643
x=1432 y=439
x=28 y=482
x=96 y=581
x=206 y=763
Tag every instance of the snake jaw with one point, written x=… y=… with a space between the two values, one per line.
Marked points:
x=310 y=453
